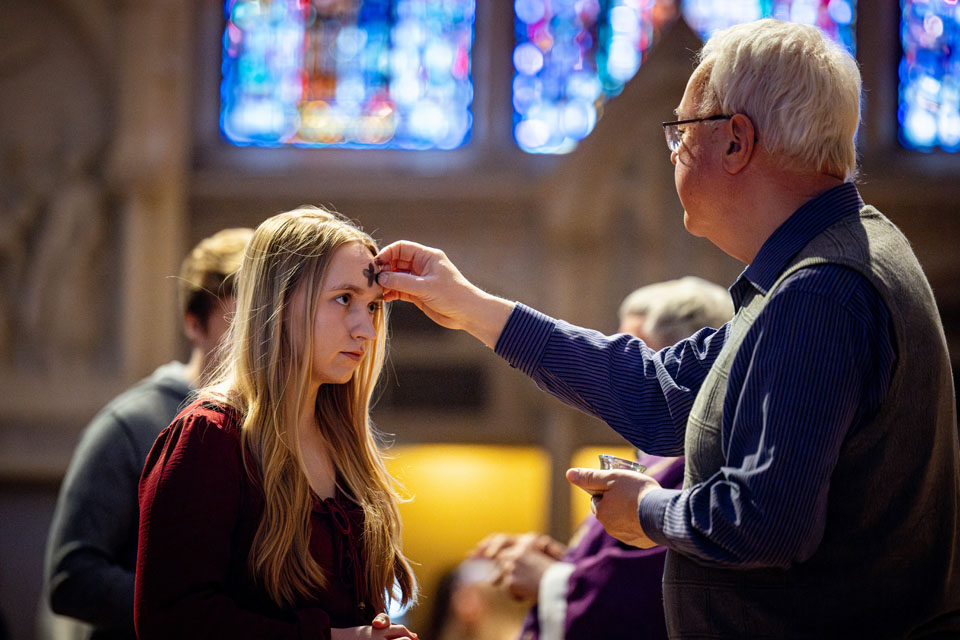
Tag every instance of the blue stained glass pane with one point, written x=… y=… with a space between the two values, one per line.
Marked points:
x=368 y=74
x=836 y=18
x=571 y=56
x=929 y=111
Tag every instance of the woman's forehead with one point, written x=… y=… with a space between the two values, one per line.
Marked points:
x=349 y=265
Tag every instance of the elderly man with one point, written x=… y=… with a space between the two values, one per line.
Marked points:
x=821 y=494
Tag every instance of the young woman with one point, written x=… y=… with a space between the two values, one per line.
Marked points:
x=266 y=510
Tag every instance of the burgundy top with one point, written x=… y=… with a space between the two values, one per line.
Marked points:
x=199 y=512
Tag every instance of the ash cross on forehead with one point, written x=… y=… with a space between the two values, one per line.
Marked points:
x=372 y=271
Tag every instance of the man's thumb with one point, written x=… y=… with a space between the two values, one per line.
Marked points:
x=399 y=281
x=585 y=479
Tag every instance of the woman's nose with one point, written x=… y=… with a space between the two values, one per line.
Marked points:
x=363 y=327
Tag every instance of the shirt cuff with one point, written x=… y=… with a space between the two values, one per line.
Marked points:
x=652 y=513
x=523 y=338
x=552 y=600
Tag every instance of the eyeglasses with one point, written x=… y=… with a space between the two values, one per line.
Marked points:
x=673 y=134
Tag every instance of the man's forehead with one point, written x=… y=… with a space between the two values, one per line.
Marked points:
x=688 y=104
x=685 y=108
x=696 y=84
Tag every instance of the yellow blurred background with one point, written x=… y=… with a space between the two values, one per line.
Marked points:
x=587 y=457
x=467 y=492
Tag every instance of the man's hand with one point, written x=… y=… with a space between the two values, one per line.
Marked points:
x=616 y=500
x=427 y=278
x=521 y=561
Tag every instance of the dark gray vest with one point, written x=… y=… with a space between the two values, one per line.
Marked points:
x=889 y=559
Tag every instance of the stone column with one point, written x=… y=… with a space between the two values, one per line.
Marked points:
x=149 y=167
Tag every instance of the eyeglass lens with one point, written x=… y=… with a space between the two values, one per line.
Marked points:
x=672 y=134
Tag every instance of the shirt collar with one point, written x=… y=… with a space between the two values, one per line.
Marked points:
x=799 y=229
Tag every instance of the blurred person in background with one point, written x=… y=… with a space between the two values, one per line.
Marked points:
x=266 y=509
x=92 y=544
x=583 y=591
x=467 y=606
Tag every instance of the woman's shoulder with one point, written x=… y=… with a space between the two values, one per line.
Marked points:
x=206 y=421
x=197 y=460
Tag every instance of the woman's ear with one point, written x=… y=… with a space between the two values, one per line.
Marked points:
x=741 y=145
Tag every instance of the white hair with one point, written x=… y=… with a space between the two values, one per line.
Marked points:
x=800 y=89
x=676 y=309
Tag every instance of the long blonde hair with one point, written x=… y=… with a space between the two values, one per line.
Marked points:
x=264 y=374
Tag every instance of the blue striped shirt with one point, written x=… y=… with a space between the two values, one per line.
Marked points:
x=814 y=367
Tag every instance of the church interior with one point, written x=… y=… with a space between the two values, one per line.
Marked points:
x=119 y=151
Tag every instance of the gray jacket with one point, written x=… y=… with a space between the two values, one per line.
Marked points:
x=92 y=546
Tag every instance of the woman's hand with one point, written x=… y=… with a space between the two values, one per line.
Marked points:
x=427 y=278
x=379 y=629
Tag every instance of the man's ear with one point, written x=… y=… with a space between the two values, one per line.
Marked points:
x=741 y=145
x=194 y=328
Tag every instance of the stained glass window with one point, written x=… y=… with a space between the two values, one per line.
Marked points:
x=929 y=110
x=570 y=56
x=836 y=18
x=347 y=73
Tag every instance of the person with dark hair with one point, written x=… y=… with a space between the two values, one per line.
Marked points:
x=92 y=544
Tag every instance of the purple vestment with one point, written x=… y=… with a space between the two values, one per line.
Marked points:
x=614 y=590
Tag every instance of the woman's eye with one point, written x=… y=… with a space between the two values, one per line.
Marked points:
x=344 y=299
x=373 y=307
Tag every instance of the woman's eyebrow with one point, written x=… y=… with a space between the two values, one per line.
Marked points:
x=347 y=287
x=355 y=289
